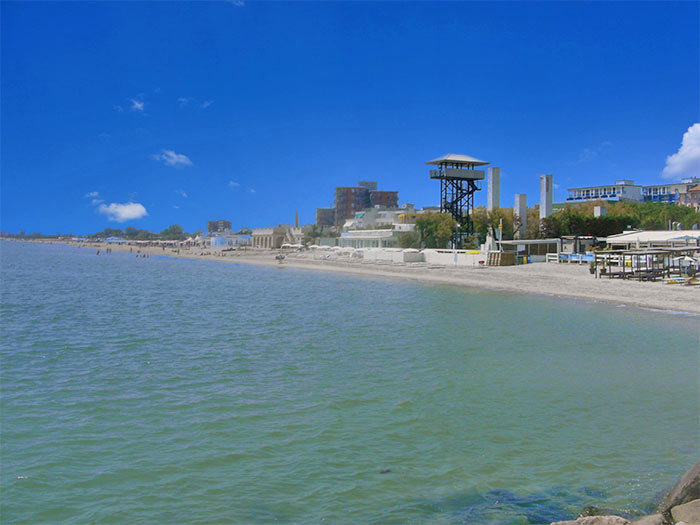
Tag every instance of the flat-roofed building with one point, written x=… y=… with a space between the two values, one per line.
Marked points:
x=671 y=193
x=622 y=190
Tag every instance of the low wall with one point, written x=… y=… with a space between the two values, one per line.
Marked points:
x=455 y=257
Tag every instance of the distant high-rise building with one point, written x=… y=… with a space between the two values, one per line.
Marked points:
x=520 y=214
x=493 y=180
x=218 y=226
x=546 y=192
x=388 y=199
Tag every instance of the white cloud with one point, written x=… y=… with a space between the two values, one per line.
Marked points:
x=589 y=154
x=207 y=103
x=118 y=108
x=182 y=193
x=136 y=105
x=95 y=202
x=183 y=101
x=176 y=206
x=122 y=212
x=237 y=3
x=171 y=158
x=233 y=184
x=251 y=190
x=686 y=161
x=92 y=194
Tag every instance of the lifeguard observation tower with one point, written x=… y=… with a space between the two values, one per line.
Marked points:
x=458 y=183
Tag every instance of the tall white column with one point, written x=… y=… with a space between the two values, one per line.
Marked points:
x=546 y=191
x=493 y=179
x=520 y=212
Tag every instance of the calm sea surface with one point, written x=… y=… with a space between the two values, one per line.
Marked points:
x=163 y=390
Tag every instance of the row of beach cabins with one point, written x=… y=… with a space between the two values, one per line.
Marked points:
x=643 y=255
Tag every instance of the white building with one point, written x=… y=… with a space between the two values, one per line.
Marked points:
x=672 y=193
x=622 y=190
x=273 y=238
x=223 y=240
x=388 y=238
x=380 y=216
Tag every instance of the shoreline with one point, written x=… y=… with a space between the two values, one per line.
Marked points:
x=571 y=281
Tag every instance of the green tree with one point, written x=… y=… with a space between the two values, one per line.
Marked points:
x=173 y=232
x=435 y=229
x=409 y=240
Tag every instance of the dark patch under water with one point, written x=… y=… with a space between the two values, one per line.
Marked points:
x=506 y=507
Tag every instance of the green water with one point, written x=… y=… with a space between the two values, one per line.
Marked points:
x=163 y=390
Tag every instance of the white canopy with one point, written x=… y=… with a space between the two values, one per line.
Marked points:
x=454 y=158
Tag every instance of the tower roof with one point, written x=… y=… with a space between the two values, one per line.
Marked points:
x=457 y=160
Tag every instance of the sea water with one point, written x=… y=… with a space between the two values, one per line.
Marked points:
x=166 y=390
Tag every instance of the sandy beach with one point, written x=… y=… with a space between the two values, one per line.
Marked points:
x=551 y=279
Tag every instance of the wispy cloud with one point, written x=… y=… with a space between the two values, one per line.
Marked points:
x=686 y=161
x=118 y=108
x=589 y=154
x=182 y=193
x=206 y=104
x=169 y=157
x=237 y=3
x=233 y=184
x=94 y=197
x=137 y=105
x=127 y=211
x=176 y=206
x=251 y=190
x=183 y=101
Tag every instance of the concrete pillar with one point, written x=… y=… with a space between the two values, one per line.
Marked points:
x=520 y=211
x=546 y=191
x=493 y=178
x=599 y=211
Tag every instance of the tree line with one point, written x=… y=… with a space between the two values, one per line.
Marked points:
x=434 y=230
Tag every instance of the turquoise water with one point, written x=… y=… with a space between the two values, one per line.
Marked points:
x=164 y=390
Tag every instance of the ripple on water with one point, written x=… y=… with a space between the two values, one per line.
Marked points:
x=180 y=391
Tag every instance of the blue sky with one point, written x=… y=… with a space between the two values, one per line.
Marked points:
x=250 y=111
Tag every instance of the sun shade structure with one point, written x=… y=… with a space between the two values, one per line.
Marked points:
x=458 y=183
x=453 y=159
